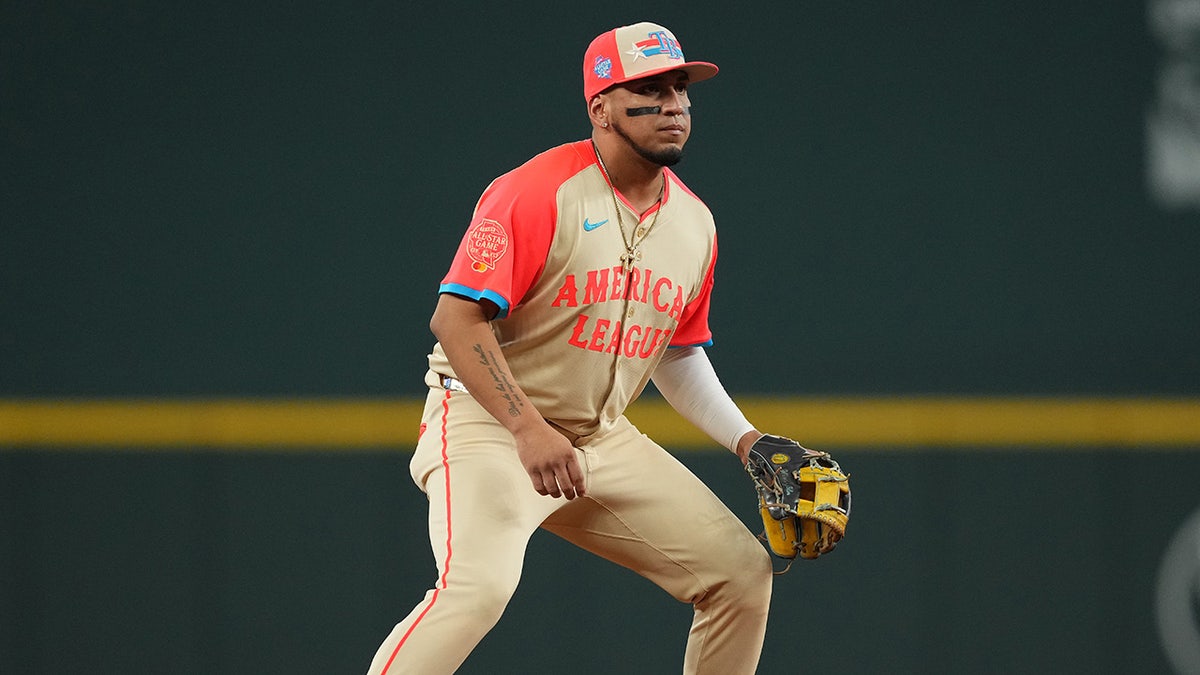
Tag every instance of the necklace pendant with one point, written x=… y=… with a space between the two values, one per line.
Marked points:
x=627 y=259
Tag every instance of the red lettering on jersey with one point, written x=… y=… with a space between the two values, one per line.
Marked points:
x=649 y=344
x=631 y=337
x=677 y=306
x=611 y=337
x=659 y=304
x=598 y=335
x=614 y=284
x=597 y=287
x=567 y=293
x=615 y=342
x=577 y=334
x=618 y=282
x=665 y=341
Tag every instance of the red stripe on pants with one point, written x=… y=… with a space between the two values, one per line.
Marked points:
x=449 y=530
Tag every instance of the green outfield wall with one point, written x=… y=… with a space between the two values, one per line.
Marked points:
x=210 y=562
x=940 y=197
x=959 y=248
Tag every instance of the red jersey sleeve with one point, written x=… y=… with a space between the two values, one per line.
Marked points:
x=693 y=327
x=505 y=247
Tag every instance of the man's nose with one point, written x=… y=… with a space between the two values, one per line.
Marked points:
x=675 y=102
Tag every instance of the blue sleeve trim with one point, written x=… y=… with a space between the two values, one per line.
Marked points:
x=475 y=294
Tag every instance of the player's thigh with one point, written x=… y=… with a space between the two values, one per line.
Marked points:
x=482 y=505
x=648 y=512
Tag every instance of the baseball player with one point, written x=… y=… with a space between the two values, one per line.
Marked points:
x=585 y=273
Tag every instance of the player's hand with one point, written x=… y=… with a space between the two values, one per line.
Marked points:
x=550 y=461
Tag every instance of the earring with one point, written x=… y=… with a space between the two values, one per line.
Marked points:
x=604 y=124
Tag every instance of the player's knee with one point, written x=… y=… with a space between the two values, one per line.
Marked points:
x=762 y=576
x=746 y=554
x=485 y=599
x=756 y=566
x=486 y=608
x=749 y=573
x=744 y=589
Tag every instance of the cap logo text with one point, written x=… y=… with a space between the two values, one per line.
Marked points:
x=603 y=68
x=659 y=43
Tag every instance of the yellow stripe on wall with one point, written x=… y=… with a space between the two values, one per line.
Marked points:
x=223 y=423
x=924 y=422
x=899 y=422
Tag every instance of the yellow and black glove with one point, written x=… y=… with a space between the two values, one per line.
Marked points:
x=803 y=496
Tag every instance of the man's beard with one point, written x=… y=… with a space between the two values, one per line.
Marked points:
x=668 y=156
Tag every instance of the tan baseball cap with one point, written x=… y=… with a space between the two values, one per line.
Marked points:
x=633 y=52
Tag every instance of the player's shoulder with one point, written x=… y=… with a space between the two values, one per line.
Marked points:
x=532 y=187
x=683 y=190
x=685 y=198
x=551 y=167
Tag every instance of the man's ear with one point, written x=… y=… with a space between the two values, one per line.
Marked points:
x=598 y=110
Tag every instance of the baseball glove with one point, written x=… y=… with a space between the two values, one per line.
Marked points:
x=803 y=495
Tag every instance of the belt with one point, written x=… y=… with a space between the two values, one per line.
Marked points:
x=452 y=384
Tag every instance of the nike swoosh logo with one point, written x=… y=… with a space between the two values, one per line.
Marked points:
x=589 y=226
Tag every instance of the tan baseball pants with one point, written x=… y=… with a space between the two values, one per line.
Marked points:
x=643 y=510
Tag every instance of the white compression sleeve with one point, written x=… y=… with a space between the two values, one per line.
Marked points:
x=686 y=379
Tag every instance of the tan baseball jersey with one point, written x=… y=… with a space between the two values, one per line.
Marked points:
x=590 y=295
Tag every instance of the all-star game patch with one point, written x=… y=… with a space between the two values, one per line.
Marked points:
x=487 y=242
x=603 y=68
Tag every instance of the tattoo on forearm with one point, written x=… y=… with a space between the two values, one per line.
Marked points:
x=504 y=383
x=482 y=357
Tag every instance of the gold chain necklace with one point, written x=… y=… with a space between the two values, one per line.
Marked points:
x=632 y=252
